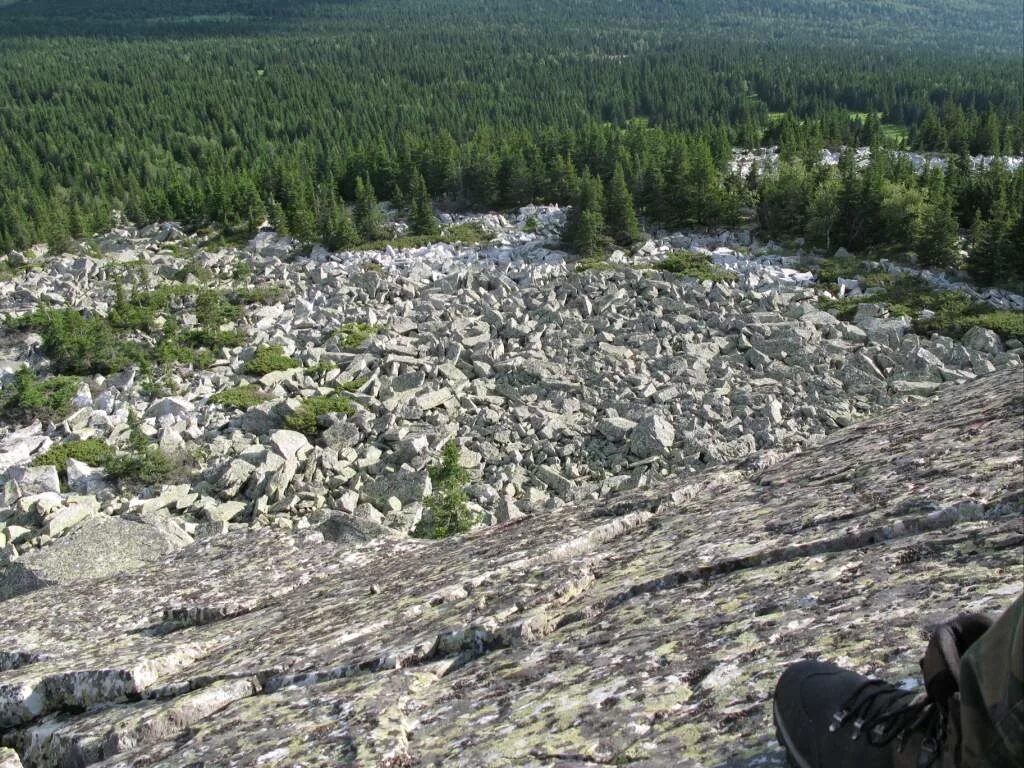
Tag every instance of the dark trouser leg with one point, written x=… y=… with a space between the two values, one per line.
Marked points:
x=992 y=694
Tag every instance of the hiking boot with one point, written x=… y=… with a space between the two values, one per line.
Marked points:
x=828 y=717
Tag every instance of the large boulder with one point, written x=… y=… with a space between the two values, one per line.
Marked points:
x=983 y=340
x=98 y=546
x=653 y=436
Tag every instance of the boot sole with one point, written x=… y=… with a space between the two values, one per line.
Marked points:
x=794 y=758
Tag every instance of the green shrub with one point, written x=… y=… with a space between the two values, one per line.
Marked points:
x=268 y=359
x=398 y=243
x=139 y=310
x=29 y=399
x=354 y=335
x=78 y=344
x=241 y=398
x=322 y=367
x=467 y=233
x=355 y=384
x=450 y=514
x=695 y=265
x=95 y=453
x=201 y=273
x=143 y=462
x=598 y=264
x=304 y=419
x=531 y=225
x=266 y=294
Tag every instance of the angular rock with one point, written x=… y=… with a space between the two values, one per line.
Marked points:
x=169 y=406
x=983 y=340
x=616 y=429
x=288 y=444
x=653 y=436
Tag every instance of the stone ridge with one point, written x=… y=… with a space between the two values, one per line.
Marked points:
x=644 y=630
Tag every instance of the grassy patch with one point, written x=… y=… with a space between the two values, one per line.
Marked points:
x=240 y=398
x=955 y=312
x=695 y=265
x=467 y=233
x=268 y=359
x=354 y=335
x=304 y=419
x=599 y=264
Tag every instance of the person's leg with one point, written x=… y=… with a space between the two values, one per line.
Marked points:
x=992 y=694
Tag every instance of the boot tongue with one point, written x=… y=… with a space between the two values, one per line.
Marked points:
x=941 y=662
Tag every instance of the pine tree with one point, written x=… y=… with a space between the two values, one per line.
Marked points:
x=449 y=513
x=620 y=215
x=277 y=217
x=589 y=240
x=589 y=199
x=337 y=229
x=368 y=218
x=936 y=245
x=823 y=211
x=421 y=219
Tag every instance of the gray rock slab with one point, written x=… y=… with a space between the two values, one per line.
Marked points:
x=558 y=634
x=98 y=546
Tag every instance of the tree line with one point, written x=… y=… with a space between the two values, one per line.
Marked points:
x=233 y=112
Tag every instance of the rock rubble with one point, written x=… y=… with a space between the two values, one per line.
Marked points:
x=558 y=385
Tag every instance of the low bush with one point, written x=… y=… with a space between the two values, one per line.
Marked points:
x=354 y=335
x=269 y=359
x=597 y=264
x=240 y=398
x=93 y=452
x=306 y=417
x=143 y=462
x=267 y=294
x=695 y=265
x=467 y=233
x=78 y=344
x=355 y=384
x=28 y=398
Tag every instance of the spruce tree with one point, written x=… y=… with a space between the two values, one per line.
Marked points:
x=620 y=215
x=337 y=229
x=589 y=240
x=368 y=218
x=936 y=244
x=589 y=200
x=421 y=217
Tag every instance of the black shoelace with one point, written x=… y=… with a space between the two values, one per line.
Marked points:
x=883 y=713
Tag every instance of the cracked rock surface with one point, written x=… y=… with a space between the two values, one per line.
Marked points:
x=647 y=627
